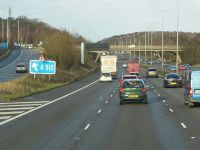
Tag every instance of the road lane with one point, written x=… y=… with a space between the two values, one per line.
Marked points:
x=93 y=119
x=8 y=66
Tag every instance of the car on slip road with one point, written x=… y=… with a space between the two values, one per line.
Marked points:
x=152 y=72
x=21 y=68
x=133 y=91
x=172 y=80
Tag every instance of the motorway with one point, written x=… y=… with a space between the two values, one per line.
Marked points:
x=8 y=66
x=86 y=115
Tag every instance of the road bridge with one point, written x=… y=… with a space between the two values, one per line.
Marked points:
x=155 y=49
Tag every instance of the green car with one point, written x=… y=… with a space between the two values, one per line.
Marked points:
x=133 y=91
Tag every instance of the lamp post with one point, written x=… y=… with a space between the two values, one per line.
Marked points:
x=145 y=51
x=139 y=47
x=151 y=47
x=177 y=42
x=18 y=31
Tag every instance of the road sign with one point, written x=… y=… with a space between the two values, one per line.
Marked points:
x=42 y=67
x=41 y=57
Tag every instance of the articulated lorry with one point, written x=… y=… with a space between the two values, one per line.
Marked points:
x=109 y=65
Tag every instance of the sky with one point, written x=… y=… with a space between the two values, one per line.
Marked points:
x=99 y=19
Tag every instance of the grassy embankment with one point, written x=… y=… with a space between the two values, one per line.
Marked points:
x=59 y=45
x=27 y=85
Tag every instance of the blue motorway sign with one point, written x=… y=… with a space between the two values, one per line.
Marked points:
x=42 y=67
x=3 y=45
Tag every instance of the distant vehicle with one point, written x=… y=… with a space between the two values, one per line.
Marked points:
x=21 y=68
x=194 y=92
x=172 y=67
x=106 y=77
x=188 y=66
x=187 y=86
x=172 y=80
x=137 y=74
x=109 y=64
x=124 y=77
x=124 y=65
x=133 y=66
x=182 y=67
x=152 y=72
x=134 y=90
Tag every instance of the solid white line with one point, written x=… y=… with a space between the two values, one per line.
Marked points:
x=171 y=110
x=183 y=125
x=58 y=99
x=87 y=127
x=99 y=111
x=33 y=102
x=25 y=105
x=106 y=102
x=11 y=113
x=13 y=61
x=19 y=108
x=5 y=117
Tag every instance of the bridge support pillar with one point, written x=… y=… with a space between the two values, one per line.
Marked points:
x=159 y=57
x=179 y=59
x=97 y=57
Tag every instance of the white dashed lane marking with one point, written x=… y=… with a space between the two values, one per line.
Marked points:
x=87 y=127
x=99 y=111
x=183 y=125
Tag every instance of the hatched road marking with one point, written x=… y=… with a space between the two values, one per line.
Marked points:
x=44 y=104
x=9 y=110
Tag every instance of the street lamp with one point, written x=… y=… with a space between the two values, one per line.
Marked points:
x=145 y=53
x=177 y=42
x=151 y=46
x=139 y=46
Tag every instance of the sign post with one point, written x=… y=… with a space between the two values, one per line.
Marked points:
x=82 y=53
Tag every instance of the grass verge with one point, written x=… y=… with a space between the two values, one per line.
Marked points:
x=27 y=85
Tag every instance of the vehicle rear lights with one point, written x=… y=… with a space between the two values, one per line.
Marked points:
x=121 y=90
x=144 y=90
x=190 y=92
x=120 y=82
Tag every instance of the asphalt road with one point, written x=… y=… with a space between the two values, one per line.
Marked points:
x=86 y=115
x=8 y=66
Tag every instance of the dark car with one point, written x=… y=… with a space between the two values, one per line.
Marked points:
x=21 y=68
x=187 y=86
x=172 y=80
x=133 y=91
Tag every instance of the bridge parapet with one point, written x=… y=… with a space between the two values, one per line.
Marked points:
x=156 y=48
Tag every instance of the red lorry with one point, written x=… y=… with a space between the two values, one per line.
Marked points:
x=133 y=67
